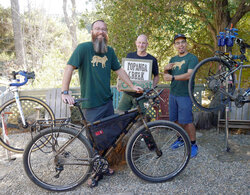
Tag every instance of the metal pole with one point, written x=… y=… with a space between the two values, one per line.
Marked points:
x=5 y=133
x=227 y=110
x=226 y=128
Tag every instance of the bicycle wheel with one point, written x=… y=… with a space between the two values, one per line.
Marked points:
x=149 y=166
x=67 y=170
x=16 y=134
x=207 y=82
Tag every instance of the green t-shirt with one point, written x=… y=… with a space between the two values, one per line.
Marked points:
x=189 y=61
x=94 y=73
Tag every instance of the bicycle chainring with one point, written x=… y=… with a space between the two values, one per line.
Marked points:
x=100 y=165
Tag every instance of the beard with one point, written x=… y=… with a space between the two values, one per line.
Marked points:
x=100 y=45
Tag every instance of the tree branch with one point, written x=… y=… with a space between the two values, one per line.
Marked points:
x=203 y=17
x=241 y=11
x=71 y=24
x=203 y=44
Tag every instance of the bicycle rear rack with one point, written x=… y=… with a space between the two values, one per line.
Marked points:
x=43 y=124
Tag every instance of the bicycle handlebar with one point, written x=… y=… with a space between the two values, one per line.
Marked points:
x=147 y=96
x=26 y=75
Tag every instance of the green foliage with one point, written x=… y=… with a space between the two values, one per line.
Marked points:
x=47 y=46
x=6 y=35
x=160 y=21
x=48 y=43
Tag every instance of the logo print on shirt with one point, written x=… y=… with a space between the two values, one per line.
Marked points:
x=98 y=59
x=179 y=64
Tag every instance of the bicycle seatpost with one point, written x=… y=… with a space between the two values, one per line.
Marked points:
x=77 y=104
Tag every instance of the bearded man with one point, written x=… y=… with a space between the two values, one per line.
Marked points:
x=94 y=61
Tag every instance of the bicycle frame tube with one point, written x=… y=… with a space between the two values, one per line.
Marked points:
x=16 y=95
x=241 y=67
x=69 y=142
x=138 y=117
x=227 y=75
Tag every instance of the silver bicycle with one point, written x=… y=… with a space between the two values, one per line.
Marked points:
x=19 y=114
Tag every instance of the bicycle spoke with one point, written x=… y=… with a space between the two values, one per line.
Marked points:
x=207 y=82
x=145 y=162
x=53 y=170
x=18 y=134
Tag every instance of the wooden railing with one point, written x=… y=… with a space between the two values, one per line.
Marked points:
x=45 y=93
x=239 y=114
x=41 y=93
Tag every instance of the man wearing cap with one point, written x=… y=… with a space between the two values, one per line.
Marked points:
x=178 y=71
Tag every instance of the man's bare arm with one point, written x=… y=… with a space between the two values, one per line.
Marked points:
x=123 y=76
x=181 y=77
x=155 y=80
x=68 y=71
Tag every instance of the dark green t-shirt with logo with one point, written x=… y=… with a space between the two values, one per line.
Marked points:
x=182 y=64
x=94 y=73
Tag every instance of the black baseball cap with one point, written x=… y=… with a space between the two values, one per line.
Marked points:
x=179 y=36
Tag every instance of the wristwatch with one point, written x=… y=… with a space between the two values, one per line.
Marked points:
x=65 y=92
x=173 y=78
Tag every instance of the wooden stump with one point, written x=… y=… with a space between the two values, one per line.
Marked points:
x=204 y=120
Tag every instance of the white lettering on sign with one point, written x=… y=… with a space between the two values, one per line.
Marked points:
x=137 y=70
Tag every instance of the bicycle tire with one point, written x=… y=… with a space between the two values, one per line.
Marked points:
x=209 y=75
x=146 y=164
x=42 y=167
x=33 y=109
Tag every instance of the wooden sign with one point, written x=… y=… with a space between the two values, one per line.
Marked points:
x=139 y=72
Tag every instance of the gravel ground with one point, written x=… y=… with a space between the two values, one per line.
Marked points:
x=213 y=171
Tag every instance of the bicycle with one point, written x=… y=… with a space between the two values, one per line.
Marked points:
x=65 y=158
x=216 y=76
x=19 y=114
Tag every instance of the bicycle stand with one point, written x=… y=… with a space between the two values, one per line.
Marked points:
x=5 y=134
x=226 y=128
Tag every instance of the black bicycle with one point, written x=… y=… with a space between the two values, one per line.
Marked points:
x=216 y=77
x=65 y=158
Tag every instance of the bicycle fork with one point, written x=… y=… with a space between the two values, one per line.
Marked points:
x=149 y=140
x=16 y=95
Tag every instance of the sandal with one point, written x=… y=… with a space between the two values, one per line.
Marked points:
x=94 y=181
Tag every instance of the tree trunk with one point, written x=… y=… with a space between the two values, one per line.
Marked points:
x=18 y=36
x=71 y=22
x=221 y=17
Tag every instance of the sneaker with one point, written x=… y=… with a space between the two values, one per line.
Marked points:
x=178 y=143
x=194 y=150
